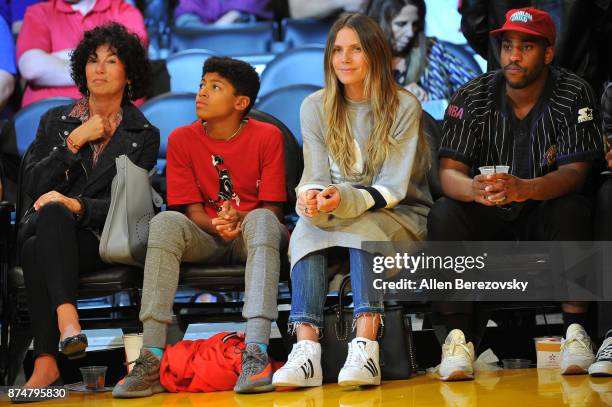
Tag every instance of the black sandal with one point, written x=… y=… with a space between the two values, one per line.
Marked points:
x=74 y=346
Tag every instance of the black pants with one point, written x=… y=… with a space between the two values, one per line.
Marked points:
x=563 y=219
x=603 y=231
x=52 y=259
x=603 y=212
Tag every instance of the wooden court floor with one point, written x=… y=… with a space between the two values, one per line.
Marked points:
x=516 y=388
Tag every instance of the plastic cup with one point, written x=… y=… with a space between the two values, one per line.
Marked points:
x=132 y=344
x=516 y=363
x=548 y=349
x=94 y=376
x=492 y=169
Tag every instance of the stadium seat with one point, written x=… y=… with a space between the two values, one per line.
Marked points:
x=185 y=69
x=298 y=66
x=284 y=104
x=232 y=39
x=27 y=119
x=167 y=112
x=305 y=31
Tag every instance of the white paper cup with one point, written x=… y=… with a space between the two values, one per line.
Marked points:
x=132 y=344
x=548 y=350
x=492 y=169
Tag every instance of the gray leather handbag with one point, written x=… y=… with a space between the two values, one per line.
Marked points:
x=133 y=205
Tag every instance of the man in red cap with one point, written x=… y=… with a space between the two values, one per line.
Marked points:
x=542 y=123
x=584 y=30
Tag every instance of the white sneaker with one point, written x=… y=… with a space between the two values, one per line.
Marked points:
x=603 y=364
x=303 y=367
x=457 y=358
x=576 y=351
x=361 y=367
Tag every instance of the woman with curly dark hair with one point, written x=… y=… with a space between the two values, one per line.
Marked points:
x=68 y=174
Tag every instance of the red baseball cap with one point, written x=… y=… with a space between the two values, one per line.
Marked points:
x=529 y=20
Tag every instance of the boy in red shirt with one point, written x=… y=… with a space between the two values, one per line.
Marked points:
x=226 y=175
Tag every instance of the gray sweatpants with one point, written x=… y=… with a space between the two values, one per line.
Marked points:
x=173 y=238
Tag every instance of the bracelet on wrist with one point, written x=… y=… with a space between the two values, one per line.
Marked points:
x=72 y=144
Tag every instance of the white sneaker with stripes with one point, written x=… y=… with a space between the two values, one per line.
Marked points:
x=361 y=367
x=303 y=367
x=603 y=363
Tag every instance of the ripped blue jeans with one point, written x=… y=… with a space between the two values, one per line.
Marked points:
x=309 y=288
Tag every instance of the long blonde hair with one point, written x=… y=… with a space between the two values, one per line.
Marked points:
x=379 y=87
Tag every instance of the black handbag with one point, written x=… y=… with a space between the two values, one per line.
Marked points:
x=395 y=340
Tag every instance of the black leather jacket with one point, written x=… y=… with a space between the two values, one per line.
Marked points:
x=583 y=37
x=52 y=166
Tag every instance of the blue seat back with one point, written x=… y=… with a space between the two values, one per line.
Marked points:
x=185 y=69
x=167 y=112
x=231 y=39
x=285 y=103
x=305 y=31
x=303 y=65
x=28 y=118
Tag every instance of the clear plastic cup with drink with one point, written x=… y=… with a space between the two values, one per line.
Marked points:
x=494 y=169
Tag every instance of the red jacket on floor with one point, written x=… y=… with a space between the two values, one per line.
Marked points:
x=207 y=365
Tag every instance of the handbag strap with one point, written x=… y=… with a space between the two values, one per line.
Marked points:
x=410 y=342
x=340 y=325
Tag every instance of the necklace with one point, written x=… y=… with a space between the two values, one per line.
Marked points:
x=233 y=134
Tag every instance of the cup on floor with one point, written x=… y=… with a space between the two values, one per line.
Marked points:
x=132 y=344
x=548 y=349
x=94 y=376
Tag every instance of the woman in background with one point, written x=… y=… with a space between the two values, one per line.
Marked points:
x=420 y=64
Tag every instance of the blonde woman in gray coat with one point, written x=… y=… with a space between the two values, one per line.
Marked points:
x=364 y=180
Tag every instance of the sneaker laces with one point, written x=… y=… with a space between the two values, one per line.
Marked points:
x=357 y=356
x=141 y=367
x=578 y=344
x=605 y=351
x=297 y=356
x=252 y=361
x=451 y=349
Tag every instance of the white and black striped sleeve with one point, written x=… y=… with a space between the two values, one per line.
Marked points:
x=460 y=138
x=580 y=137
